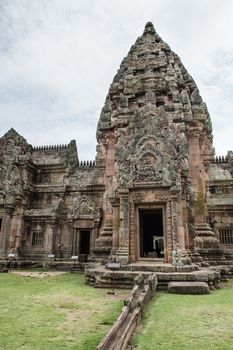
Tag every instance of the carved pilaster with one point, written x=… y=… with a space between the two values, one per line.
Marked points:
x=123 y=251
x=174 y=225
x=6 y=223
x=169 y=237
x=115 y=202
x=180 y=233
x=94 y=234
x=50 y=238
x=75 y=242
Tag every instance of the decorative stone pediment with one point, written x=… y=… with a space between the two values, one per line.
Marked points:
x=153 y=149
x=83 y=206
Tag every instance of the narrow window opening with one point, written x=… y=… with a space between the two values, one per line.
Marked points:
x=37 y=238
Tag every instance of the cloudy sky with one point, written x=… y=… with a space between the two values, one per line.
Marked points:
x=58 y=57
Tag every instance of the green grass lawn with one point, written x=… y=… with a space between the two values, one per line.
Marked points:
x=188 y=322
x=54 y=313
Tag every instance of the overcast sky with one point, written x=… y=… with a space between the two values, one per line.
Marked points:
x=58 y=58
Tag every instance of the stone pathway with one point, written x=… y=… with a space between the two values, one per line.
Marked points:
x=38 y=274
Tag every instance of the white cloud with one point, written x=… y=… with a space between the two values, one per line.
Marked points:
x=58 y=57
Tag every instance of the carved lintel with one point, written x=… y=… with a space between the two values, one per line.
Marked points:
x=150 y=197
x=84 y=224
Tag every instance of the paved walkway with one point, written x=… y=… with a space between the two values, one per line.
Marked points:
x=38 y=274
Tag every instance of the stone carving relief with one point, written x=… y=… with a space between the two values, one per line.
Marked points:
x=84 y=176
x=84 y=224
x=53 y=210
x=154 y=150
x=153 y=197
x=13 y=180
x=80 y=178
x=82 y=206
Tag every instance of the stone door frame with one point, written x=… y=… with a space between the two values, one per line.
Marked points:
x=86 y=223
x=77 y=240
x=149 y=206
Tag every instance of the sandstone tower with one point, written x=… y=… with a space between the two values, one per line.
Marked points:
x=155 y=186
x=155 y=144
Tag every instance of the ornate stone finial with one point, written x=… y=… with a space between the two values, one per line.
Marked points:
x=149 y=28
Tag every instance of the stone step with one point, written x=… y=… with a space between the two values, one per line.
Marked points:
x=100 y=276
x=151 y=267
x=188 y=288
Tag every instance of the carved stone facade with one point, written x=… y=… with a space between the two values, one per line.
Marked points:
x=155 y=185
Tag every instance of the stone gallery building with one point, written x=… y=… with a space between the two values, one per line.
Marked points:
x=155 y=186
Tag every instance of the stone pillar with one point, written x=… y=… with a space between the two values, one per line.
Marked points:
x=20 y=229
x=169 y=231
x=67 y=239
x=180 y=224
x=5 y=230
x=116 y=223
x=49 y=245
x=94 y=234
x=123 y=251
x=75 y=242
x=174 y=222
x=197 y=174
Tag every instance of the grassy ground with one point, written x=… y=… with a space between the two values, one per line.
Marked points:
x=53 y=313
x=178 y=322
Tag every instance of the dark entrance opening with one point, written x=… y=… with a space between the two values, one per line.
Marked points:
x=84 y=247
x=151 y=233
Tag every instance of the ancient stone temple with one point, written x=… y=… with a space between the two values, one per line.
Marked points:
x=155 y=186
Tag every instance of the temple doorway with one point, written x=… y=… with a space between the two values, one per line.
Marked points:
x=84 y=244
x=151 y=233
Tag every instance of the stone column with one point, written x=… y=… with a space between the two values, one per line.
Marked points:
x=177 y=222
x=74 y=242
x=20 y=228
x=123 y=251
x=174 y=223
x=5 y=230
x=67 y=238
x=169 y=231
x=94 y=234
x=49 y=246
x=180 y=225
x=116 y=223
x=197 y=174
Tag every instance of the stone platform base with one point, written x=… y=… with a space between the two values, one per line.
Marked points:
x=188 y=287
x=159 y=267
x=100 y=277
